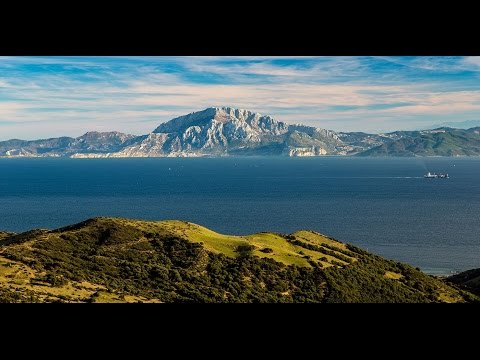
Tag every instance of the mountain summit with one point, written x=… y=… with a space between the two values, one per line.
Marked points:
x=229 y=131
x=236 y=122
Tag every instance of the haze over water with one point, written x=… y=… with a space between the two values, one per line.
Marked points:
x=383 y=205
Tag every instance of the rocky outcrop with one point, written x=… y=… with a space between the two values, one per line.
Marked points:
x=312 y=151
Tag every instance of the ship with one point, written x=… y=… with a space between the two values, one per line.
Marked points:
x=430 y=175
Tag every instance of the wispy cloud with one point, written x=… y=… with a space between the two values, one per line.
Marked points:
x=52 y=96
x=472 y=62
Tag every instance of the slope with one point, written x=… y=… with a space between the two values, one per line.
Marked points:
x=437 y=142
x=122 y=260
x=90 y=142
x=469 y=280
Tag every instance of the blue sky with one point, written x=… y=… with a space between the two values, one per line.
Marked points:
x=52 y=96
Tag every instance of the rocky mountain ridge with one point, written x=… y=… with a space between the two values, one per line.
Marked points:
x=226 y=131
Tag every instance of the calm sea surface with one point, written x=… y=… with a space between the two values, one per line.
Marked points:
x=383 y=205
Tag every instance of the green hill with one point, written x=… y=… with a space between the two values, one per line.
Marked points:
x=437 y=142
x=121 y=260
x=469 y=280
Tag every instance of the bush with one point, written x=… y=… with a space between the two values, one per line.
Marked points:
x=245 y=250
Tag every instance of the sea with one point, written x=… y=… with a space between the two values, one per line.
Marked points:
x=383 y=205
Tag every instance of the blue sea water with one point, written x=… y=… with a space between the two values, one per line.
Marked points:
x=383 y=205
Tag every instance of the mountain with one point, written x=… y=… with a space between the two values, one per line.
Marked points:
x=225 y=131
x=122 y=260
x=100 y=142
x=358 y=142
x=229 y=131
x=91 y=142
x=43 y=147
x=211 y=132
x=437 y=142
x=467 y=124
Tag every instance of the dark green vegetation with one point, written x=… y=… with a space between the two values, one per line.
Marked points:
x=4 y=234
x=111 y=259
x=469 y=280
x=438 y=142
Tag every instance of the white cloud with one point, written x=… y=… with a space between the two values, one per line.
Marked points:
x=137 y=101
x=142 y=105
x=472 y=61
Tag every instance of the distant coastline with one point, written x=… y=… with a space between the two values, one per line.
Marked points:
x=226 y=131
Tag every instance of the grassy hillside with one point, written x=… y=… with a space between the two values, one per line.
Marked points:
x=121 y=260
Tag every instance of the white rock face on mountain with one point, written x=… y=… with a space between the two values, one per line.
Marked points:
x=19 y=153
x=229 y=131
x=232 y=123
x=154 y=145
x=313 y=151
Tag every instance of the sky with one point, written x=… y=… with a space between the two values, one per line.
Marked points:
x=43 y=97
